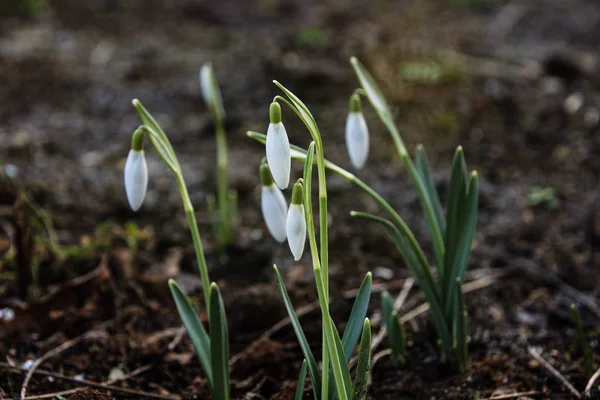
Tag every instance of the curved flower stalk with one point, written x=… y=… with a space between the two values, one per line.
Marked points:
x=136 y=172
x=223 y=211
x=273 y=205
x=357 y=133
x=296 y=222
x=213 y=349
x=278 y=148
x=334 y=379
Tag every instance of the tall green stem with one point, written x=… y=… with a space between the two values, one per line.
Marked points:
x=191 y=217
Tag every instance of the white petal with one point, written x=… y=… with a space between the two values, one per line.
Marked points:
x=296 y=230
x=136 y=178
x=357 y=139
x=274 y=207
x=206 y=84
x=278 y=154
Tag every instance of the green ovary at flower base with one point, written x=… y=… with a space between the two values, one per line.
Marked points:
x=213 y=348
x=223 y=210
x=334 y=378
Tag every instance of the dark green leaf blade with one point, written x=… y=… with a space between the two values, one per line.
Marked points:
x=301 y=381
x=194 y=328
x=219 y=345
x=313 y=367
x=357 y=317
x=363 y=366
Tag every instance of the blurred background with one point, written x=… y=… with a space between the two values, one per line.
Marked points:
x=514 y=82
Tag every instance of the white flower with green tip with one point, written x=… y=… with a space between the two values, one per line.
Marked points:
x=136 y=172
x=278 y=148
x=357 y=134
x=273 y=205
x=296 y=223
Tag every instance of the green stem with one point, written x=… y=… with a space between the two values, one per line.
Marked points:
x=191 y=217
x=224 y=231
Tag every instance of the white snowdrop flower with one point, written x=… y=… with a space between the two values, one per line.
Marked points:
x=273 y=205
x=296 y=223
x=357 y=134
x=210 y=90
x=278 y=148
x=136 y=172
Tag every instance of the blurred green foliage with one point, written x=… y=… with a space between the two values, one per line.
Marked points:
x=22 y=8
x=543 y=196
x=310 y=38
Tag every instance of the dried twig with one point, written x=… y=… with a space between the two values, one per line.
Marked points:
x=513 y=395
x=533 y=352
x=109 y=382
x=55 y=351
x=138 y=393
x=588 y=387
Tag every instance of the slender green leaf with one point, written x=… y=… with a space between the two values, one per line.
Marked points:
x=357 y=317
x=161 y=149
x=194 y=328
x=465 y=231
x=313 y=368
x=416 y=262
x=363 y=366
x=422 y=165
x=461 y=327
x=456 y=196
x=387 y=309
x=219 y=345
x=301 y=381
x=586 y=350
x=341 y=360
x=399 y=349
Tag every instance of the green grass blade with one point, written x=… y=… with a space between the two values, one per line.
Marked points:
x=465 y=231
x=347 y=386
x=363 y=366
x=313 y=367
x=456 y=196
x=219 y=345
x=422 y=166
x=399 y=338
x=357 y=317
x=194 y=328
x=301 y=381
x=387 y=309
x=416 y=262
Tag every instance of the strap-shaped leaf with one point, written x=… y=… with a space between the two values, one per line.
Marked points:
x=313 y=368
x=422 y=165
x=399 y=349
x=387 y=309
x=194 y=328
x=456 y=196
x=461 y=338
x=357 y=317
x=219 y=345
x=363 y=366
x=466 y=231
x=303 y=111
x=416 y=262
x=342 y=362
x=301 y=381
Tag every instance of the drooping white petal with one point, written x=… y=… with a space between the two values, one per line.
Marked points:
x=136 y=178
x=296 y=230
x=274 y=208
x=357 y=139
x=278 y=154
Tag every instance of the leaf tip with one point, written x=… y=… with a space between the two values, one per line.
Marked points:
x=135 y=102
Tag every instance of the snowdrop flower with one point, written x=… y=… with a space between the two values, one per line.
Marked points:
x=357 y=134
x=273 y=205
x=296 y=223
x=210 y=91
x=278 y=148
x=136 y=172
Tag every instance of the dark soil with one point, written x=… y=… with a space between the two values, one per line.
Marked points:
x=517 y=87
